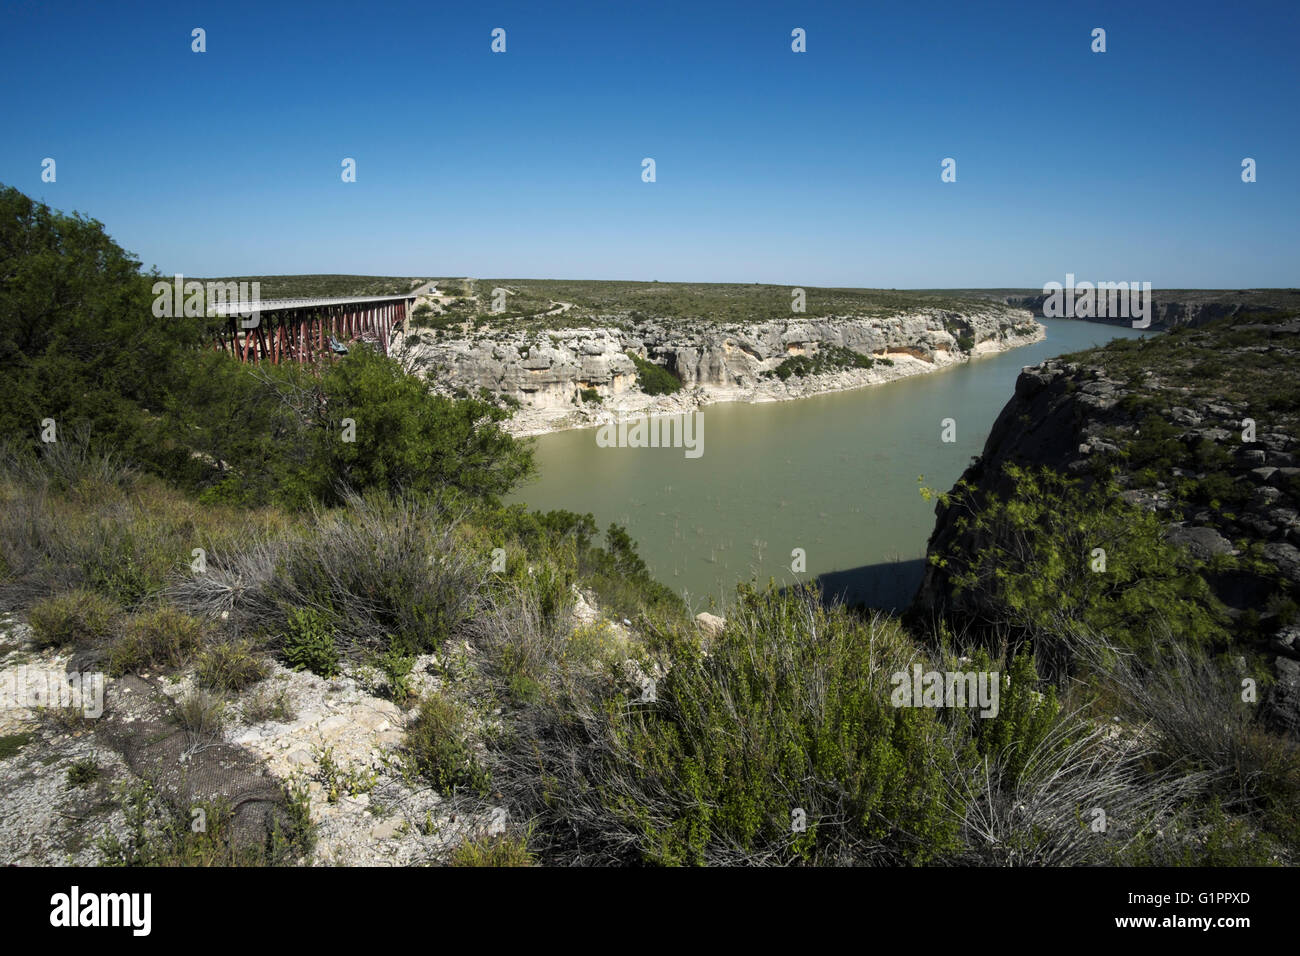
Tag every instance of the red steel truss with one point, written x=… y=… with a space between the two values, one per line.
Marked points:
x=297 y=330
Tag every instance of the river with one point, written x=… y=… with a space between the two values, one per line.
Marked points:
x=834 y=475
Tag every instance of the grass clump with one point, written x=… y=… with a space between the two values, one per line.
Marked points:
x=229 y=667
x=75 y=617
x=161 y=638
x=10 y=744
x=439 y=749
x=201 y=714
x=263 y=706
x=351 y=583
x=496 y=850
x=83 y=772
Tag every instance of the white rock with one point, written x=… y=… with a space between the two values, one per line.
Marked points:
x=710 y=624
x=385 y=829
x=333 y=725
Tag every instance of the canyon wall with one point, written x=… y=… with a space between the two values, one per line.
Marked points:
x=1170 y=310
x=1219 y=401
x=548 y=371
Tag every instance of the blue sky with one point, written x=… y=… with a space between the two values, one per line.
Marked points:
x=820 y=168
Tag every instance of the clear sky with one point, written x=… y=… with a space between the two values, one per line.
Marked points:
x=816 y=168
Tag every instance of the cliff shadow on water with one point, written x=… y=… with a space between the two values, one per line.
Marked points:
x=887 y=586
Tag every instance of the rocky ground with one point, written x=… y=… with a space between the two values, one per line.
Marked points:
x=66 y=779
x=338 y=739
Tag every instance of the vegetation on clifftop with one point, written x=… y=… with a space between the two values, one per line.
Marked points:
x=533 y=303
x=830 y=358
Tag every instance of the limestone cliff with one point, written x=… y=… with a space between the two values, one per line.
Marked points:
x=548 y=372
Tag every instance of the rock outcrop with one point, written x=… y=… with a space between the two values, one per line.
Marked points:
x=1066 y=415
x=557 y=376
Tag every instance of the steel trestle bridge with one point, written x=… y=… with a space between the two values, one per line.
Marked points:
x=304 y=330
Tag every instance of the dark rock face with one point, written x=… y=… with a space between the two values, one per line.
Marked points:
x=1063 y=415
x=1204 y=543
x=1284 y=710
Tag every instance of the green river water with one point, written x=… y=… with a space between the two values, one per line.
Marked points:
x=835 y=475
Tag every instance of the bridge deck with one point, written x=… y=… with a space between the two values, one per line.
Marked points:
x=305 y=330
x=280 y=305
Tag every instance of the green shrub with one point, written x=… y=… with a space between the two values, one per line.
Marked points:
x=622 y=582
x=280 y=432
x=786 y=718
x=164 y=637
x=338 y=782
x=827 y=358
x=129 y=563
x=437 y=743
x=1025 y=715
x=159 y=833
x=309 y=642
x=654 y=379
x=1220 y=491
x=408 y=439
x=1026 y=559
x=73 y=617
x=545 y=577
x=396 y=668
x=595 y=644
x=80 y=342
x=1204 y=837
x=1157 y=447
